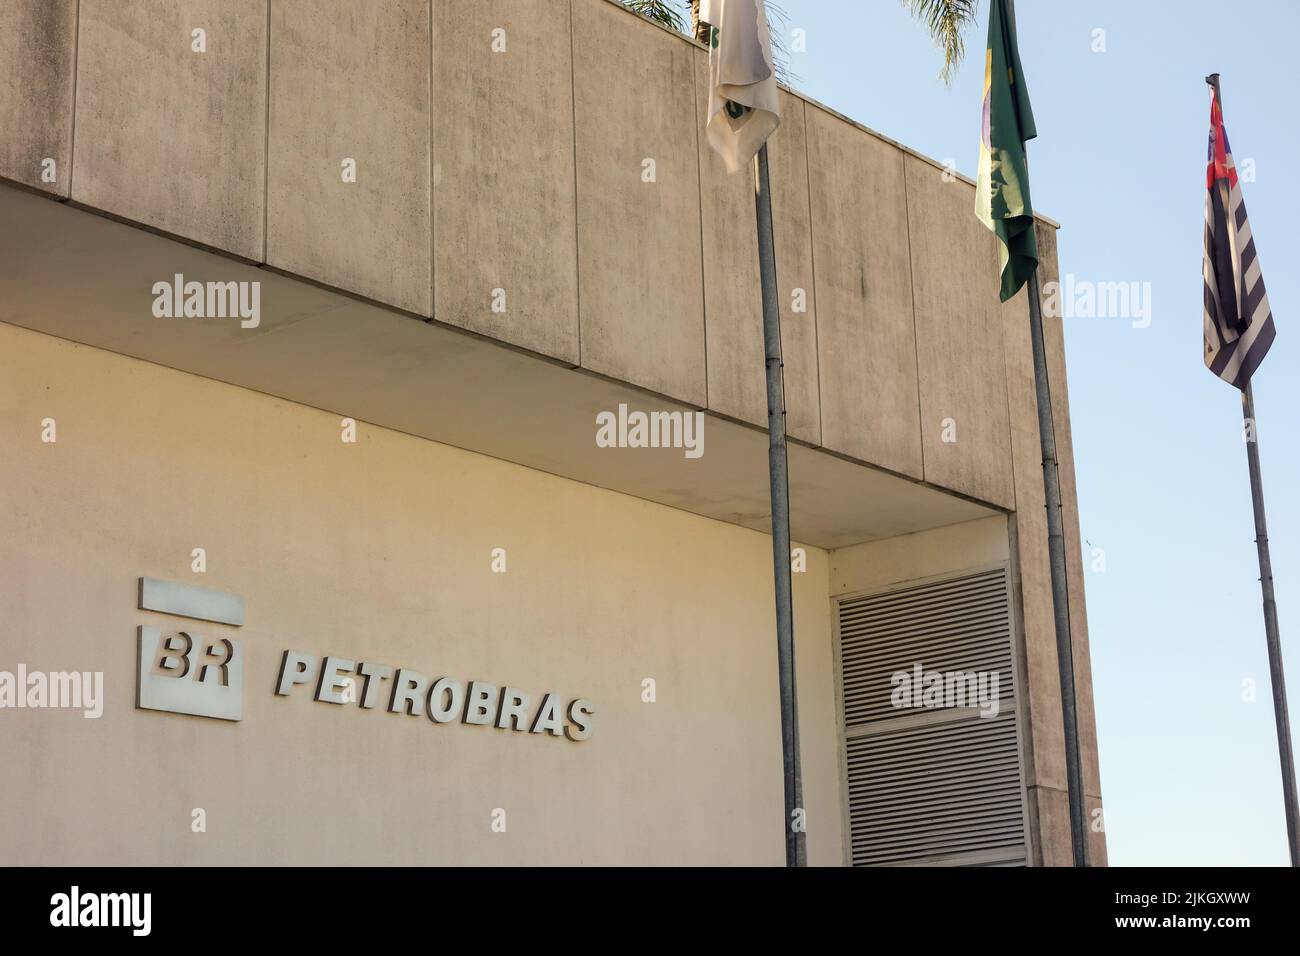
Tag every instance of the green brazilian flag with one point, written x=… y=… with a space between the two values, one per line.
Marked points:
x=1002 y=192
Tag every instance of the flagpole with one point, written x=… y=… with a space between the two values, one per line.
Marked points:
x=1056 y=560
x=1271 y=637
x=1060 y=583
x=778 y=475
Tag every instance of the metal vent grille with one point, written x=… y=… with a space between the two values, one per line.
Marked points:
x=931 y=786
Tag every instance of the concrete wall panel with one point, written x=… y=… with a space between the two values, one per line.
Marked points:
x=960 y=360
x=171 y=137
x=503 y=189
x=639 y=259
x=792 y=224
x=865 y=338
x=37 y=60
x=351 y=81
x=733 y=305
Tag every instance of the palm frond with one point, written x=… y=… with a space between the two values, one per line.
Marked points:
x=666 y=12
x=946 y=20
x=778 y=24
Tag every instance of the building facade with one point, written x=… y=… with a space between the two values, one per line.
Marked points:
x=382 y=406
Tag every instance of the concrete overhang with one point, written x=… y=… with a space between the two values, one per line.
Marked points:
x=87 y=278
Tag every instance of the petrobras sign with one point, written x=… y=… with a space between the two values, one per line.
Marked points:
x=184 y=671
x=443 y=700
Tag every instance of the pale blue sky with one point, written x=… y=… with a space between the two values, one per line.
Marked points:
x=1189 y=771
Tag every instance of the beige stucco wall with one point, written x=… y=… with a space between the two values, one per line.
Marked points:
x=379 y=550
x=881 y=565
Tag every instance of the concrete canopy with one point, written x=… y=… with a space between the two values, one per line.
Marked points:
x=84 y=277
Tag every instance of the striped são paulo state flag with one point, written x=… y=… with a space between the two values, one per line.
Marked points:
x=1238 y=322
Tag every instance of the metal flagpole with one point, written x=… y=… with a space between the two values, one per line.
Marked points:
x=1056 y=557
x=1270 y=626
x=1271 y=637
x=1060 y=585
x=778 y=472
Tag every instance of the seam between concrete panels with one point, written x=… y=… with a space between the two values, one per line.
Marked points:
x=812 y=259
x=699 y=205
x=1007 y=345
x=1065 y=790
x=577 y=242
x=998 y=328
x=429 y=167
x=76 y=65
x=911 y=292
x=266 y=145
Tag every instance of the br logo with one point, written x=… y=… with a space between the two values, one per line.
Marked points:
x=182 y=671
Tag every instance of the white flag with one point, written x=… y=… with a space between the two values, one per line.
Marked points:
x=744 y=101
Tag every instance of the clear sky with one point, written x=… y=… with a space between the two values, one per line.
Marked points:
x=1189 y=769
